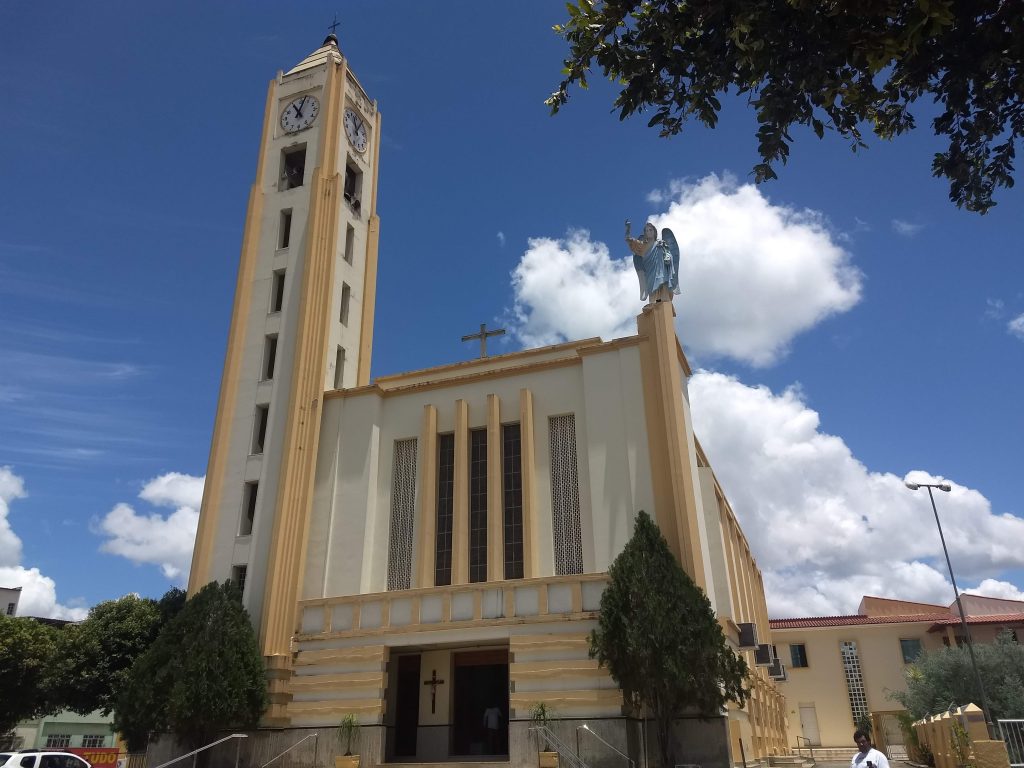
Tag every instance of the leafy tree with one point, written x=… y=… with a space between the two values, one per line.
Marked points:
x=27 y=651
x=97 y=654
x=943 y=677
x=837 y=65
x=203 y=673
x=658 y=637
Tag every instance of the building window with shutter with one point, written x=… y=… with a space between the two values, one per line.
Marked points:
x=445 y=509
x=512 y=499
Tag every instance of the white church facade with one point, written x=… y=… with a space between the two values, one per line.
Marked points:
x=431 y=545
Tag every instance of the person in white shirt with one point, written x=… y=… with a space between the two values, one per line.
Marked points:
x=868 y=756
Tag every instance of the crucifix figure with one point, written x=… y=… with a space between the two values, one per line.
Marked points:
x=484 y=333
x=433 y=682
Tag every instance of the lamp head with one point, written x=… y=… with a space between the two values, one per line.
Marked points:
x=912 y=486
x=944 y=487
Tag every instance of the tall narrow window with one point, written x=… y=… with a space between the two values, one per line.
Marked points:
x=477 y=505
x=277 y=291
x=403 y=511
x=269 y=357
x=512 y=499
x=346 y=298
x=293 y=167
x=565 y=496
x=285 y=229
x=259 y=428
x=798 y=655
x=353 y=189
x=248 y=508
x=339 y=368
x=445 y=509
x=238 y=573
x=350 y=237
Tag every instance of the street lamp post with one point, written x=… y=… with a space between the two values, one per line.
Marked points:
x=956 y=593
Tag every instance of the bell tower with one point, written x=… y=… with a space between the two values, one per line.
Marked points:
x=302 y=324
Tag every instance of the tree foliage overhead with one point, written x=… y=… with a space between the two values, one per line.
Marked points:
x=658 y=637
x=28 y=649
x=203 y=673
x=840 y=65
x=940 y=678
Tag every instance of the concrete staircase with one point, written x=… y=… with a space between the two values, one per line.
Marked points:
x=791 y=761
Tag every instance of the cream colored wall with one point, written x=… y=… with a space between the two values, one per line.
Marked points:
x=349 y=530
x=823 y=682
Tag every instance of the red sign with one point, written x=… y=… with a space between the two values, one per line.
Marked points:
x=100 y=757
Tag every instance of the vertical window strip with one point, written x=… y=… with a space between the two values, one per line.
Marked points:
x=477 y=505
x=403 y=510
x=565 y=496
x=854 y=680
x=512 y=499
x=445 y=509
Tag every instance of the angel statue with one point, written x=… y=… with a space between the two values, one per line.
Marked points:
x=656 y=262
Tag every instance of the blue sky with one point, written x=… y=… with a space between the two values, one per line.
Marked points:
x=850 y=325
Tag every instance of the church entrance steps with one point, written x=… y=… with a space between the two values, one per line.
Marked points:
x=340 y=681
x=790 y=761
x=467 y=762
x=827 y=753
x=522 y=670
x=332 y=656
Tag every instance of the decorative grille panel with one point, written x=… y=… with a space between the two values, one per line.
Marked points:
x=403 y=511
x=565 y=496
x=854 y=680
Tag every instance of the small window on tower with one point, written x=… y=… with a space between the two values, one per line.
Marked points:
x=238 y=576
x=353 y=185
x=285 y=229
x=10 y=609
x=248 y=508
x=293 y=167
x=259 y=429
x=350 y=236
x=277 y=291
x=346 y=298
x=339 y=368
x=269 y=357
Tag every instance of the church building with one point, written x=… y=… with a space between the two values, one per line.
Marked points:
x=427 y=550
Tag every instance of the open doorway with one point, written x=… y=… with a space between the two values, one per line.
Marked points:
x=480 y=712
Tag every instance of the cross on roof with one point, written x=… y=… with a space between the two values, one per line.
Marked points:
x=484 y=333
x=334 y=27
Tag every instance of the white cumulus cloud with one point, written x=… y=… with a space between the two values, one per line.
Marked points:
x=1016 y=327
x=824 y=529
x=754 y=276
x=38 y=592
x=165 y=541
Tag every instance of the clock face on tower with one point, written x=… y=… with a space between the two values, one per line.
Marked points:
x=300 y=114
x=355 y=128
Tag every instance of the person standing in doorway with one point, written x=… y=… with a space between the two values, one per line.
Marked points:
x=492 y=722
x=867 y=756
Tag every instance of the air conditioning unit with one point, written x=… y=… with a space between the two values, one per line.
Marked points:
x=763 y=656
x=748 y=636
x=777 y=671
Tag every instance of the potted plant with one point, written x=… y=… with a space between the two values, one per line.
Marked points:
x=348 y=732
x=540 y=716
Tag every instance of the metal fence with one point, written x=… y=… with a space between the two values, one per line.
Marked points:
x=1012 y=732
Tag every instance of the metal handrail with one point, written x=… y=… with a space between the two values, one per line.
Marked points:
x=316 y=746
x=211 y=744
x=586 y=728
x=810 y=747
x=564 y=753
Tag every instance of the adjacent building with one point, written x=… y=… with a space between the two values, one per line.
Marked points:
x=841 y=669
